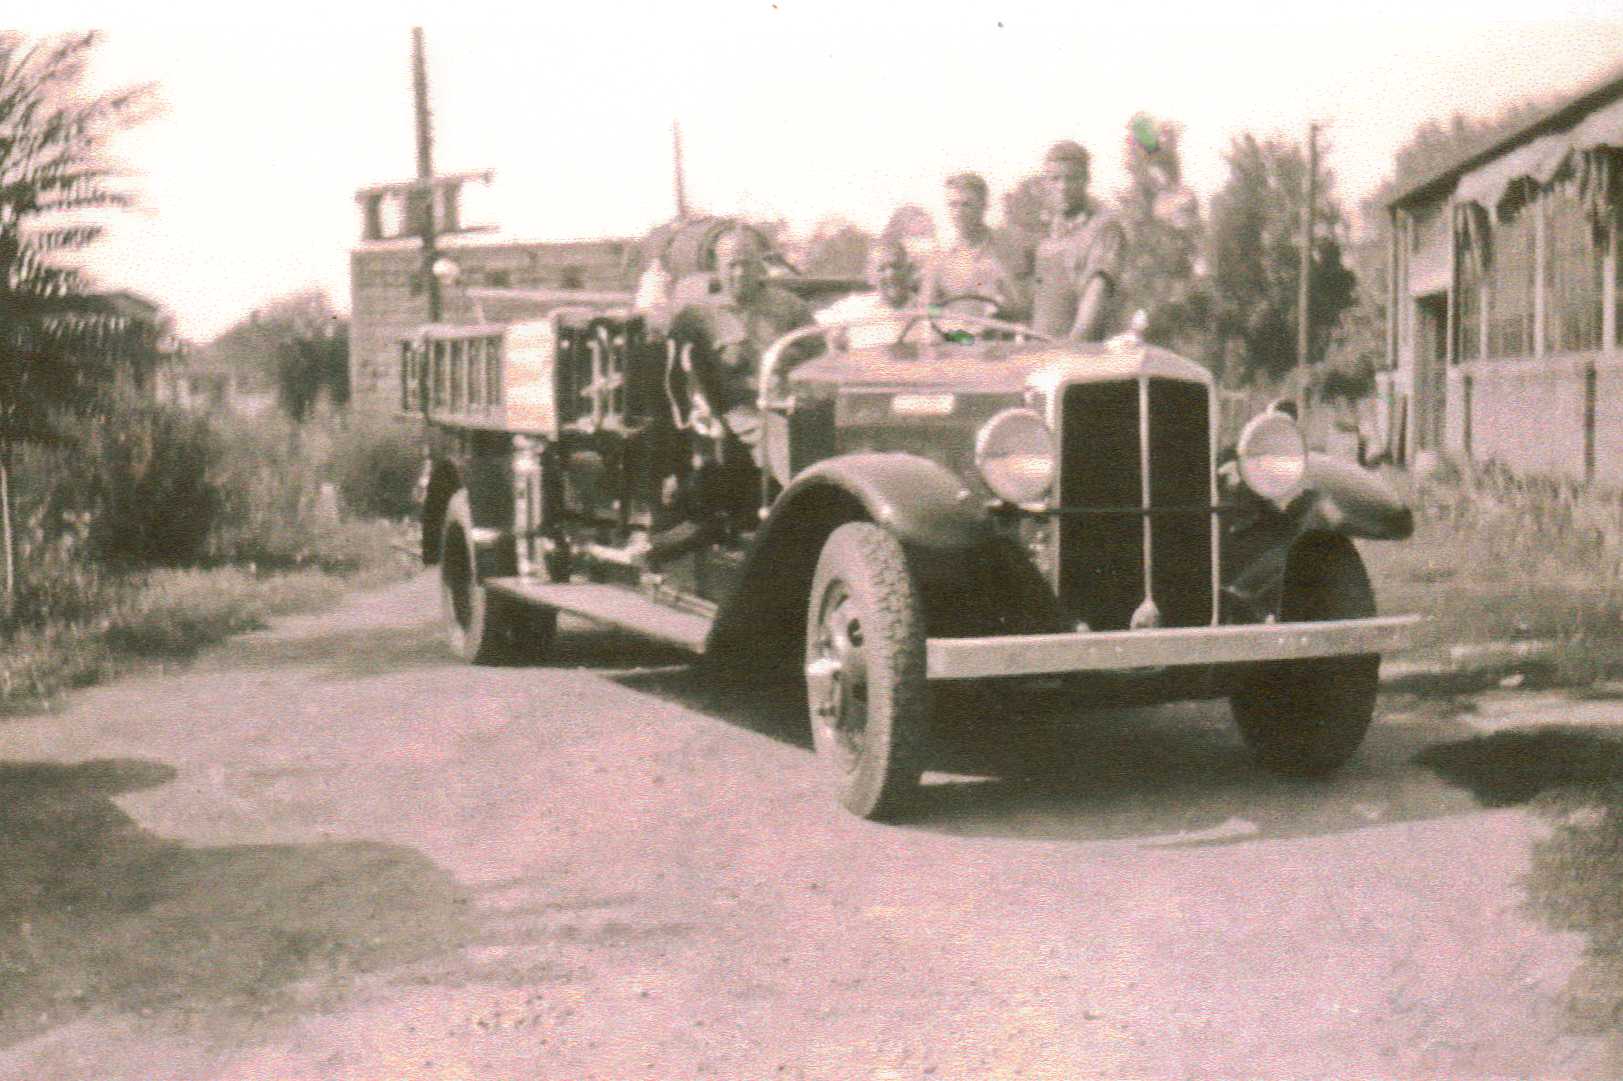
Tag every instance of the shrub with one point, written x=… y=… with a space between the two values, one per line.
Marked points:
x=56 y=581
x=377 y=460
x=156 y=504
x=269 y=479
x=37 y=664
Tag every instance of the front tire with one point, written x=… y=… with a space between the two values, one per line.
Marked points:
x=482 y=627
x=865 y=670
x=1306 y=718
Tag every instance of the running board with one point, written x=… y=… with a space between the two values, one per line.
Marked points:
x=616 y=606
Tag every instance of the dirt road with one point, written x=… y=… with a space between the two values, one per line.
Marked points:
x=327 y=852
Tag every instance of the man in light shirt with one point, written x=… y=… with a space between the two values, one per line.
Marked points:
x=895 y=279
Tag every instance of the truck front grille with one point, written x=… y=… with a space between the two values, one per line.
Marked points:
x=1102 y=551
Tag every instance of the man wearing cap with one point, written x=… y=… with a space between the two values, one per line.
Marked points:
x=735 y=327
x=1079 y=262
x=977 y=264
x=877 y=314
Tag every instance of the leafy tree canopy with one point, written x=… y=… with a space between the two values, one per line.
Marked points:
x=1255 y=257
x=297 y=344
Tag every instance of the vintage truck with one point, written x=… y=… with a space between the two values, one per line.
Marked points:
x=980 y=504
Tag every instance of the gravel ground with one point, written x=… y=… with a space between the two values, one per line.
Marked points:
x=326 y=851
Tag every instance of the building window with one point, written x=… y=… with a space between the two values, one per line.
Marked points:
x=1510 y=285
x=1573 y=272
x=1468 y=309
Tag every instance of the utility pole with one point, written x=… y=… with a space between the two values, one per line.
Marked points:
x=681 y=183
x=426 y=225
x=1304 y=289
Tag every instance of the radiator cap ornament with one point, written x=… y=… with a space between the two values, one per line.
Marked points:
x=1133 y=337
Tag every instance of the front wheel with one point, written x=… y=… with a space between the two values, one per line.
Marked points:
x=865 y=670
x=1306 y=718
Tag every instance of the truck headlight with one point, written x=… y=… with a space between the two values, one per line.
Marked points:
x=1015 y=453
x=1272 y=456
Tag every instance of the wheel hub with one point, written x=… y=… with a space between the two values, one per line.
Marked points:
x=836 y=677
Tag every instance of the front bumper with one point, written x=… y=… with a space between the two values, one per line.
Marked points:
x=1094 y=651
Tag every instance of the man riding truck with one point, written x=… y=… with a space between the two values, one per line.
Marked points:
x=978 y=264
x=733 y=329
x=1079 y=261
x=895 y=279
x=728 y=334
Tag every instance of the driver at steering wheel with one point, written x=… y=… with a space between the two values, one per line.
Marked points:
x=977 y=266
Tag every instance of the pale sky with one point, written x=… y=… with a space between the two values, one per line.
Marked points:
x=790 y=109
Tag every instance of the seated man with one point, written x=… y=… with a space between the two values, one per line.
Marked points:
x=895 y=278
x=728 y=332
x=733 y=329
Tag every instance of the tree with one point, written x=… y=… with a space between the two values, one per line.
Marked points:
x=1161 y=275
x=297 y=344
x=837 y=249
x=53 y=353
x=1255 y=259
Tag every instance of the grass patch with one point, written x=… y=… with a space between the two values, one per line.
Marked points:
x=1498 y=558
x=173 y=614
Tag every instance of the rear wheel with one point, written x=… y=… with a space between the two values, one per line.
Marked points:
x=865 y=670
x=1306 y=718
x=484 y=627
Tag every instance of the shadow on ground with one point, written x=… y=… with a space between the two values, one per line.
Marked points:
x=768 y=704
x=1027 y=766
x=364 y=653
x=342 y=655
x=1574 y=779
x=100 y=915
x=1509 y=768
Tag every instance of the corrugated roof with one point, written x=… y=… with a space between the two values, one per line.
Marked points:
x=1557 y=118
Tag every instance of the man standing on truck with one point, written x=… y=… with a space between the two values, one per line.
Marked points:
x=978 y=264
x=1079 y=262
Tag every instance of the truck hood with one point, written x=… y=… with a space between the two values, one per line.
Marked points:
x=990 y=367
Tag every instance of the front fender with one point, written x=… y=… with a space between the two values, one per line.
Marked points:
x=1346 y=499
x=916 y=499
x=922 y=502
x=1340 y=500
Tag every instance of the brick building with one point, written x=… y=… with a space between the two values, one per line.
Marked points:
x=1505 y=341
x=388 y=290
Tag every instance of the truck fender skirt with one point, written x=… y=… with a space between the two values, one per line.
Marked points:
x=913 y=497
x=919 y=500
x=1342 y=497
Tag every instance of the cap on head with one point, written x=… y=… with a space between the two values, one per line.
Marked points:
x=970 y=183
x=1072 y=154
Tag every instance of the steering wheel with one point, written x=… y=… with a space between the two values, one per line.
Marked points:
x=985 y=307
